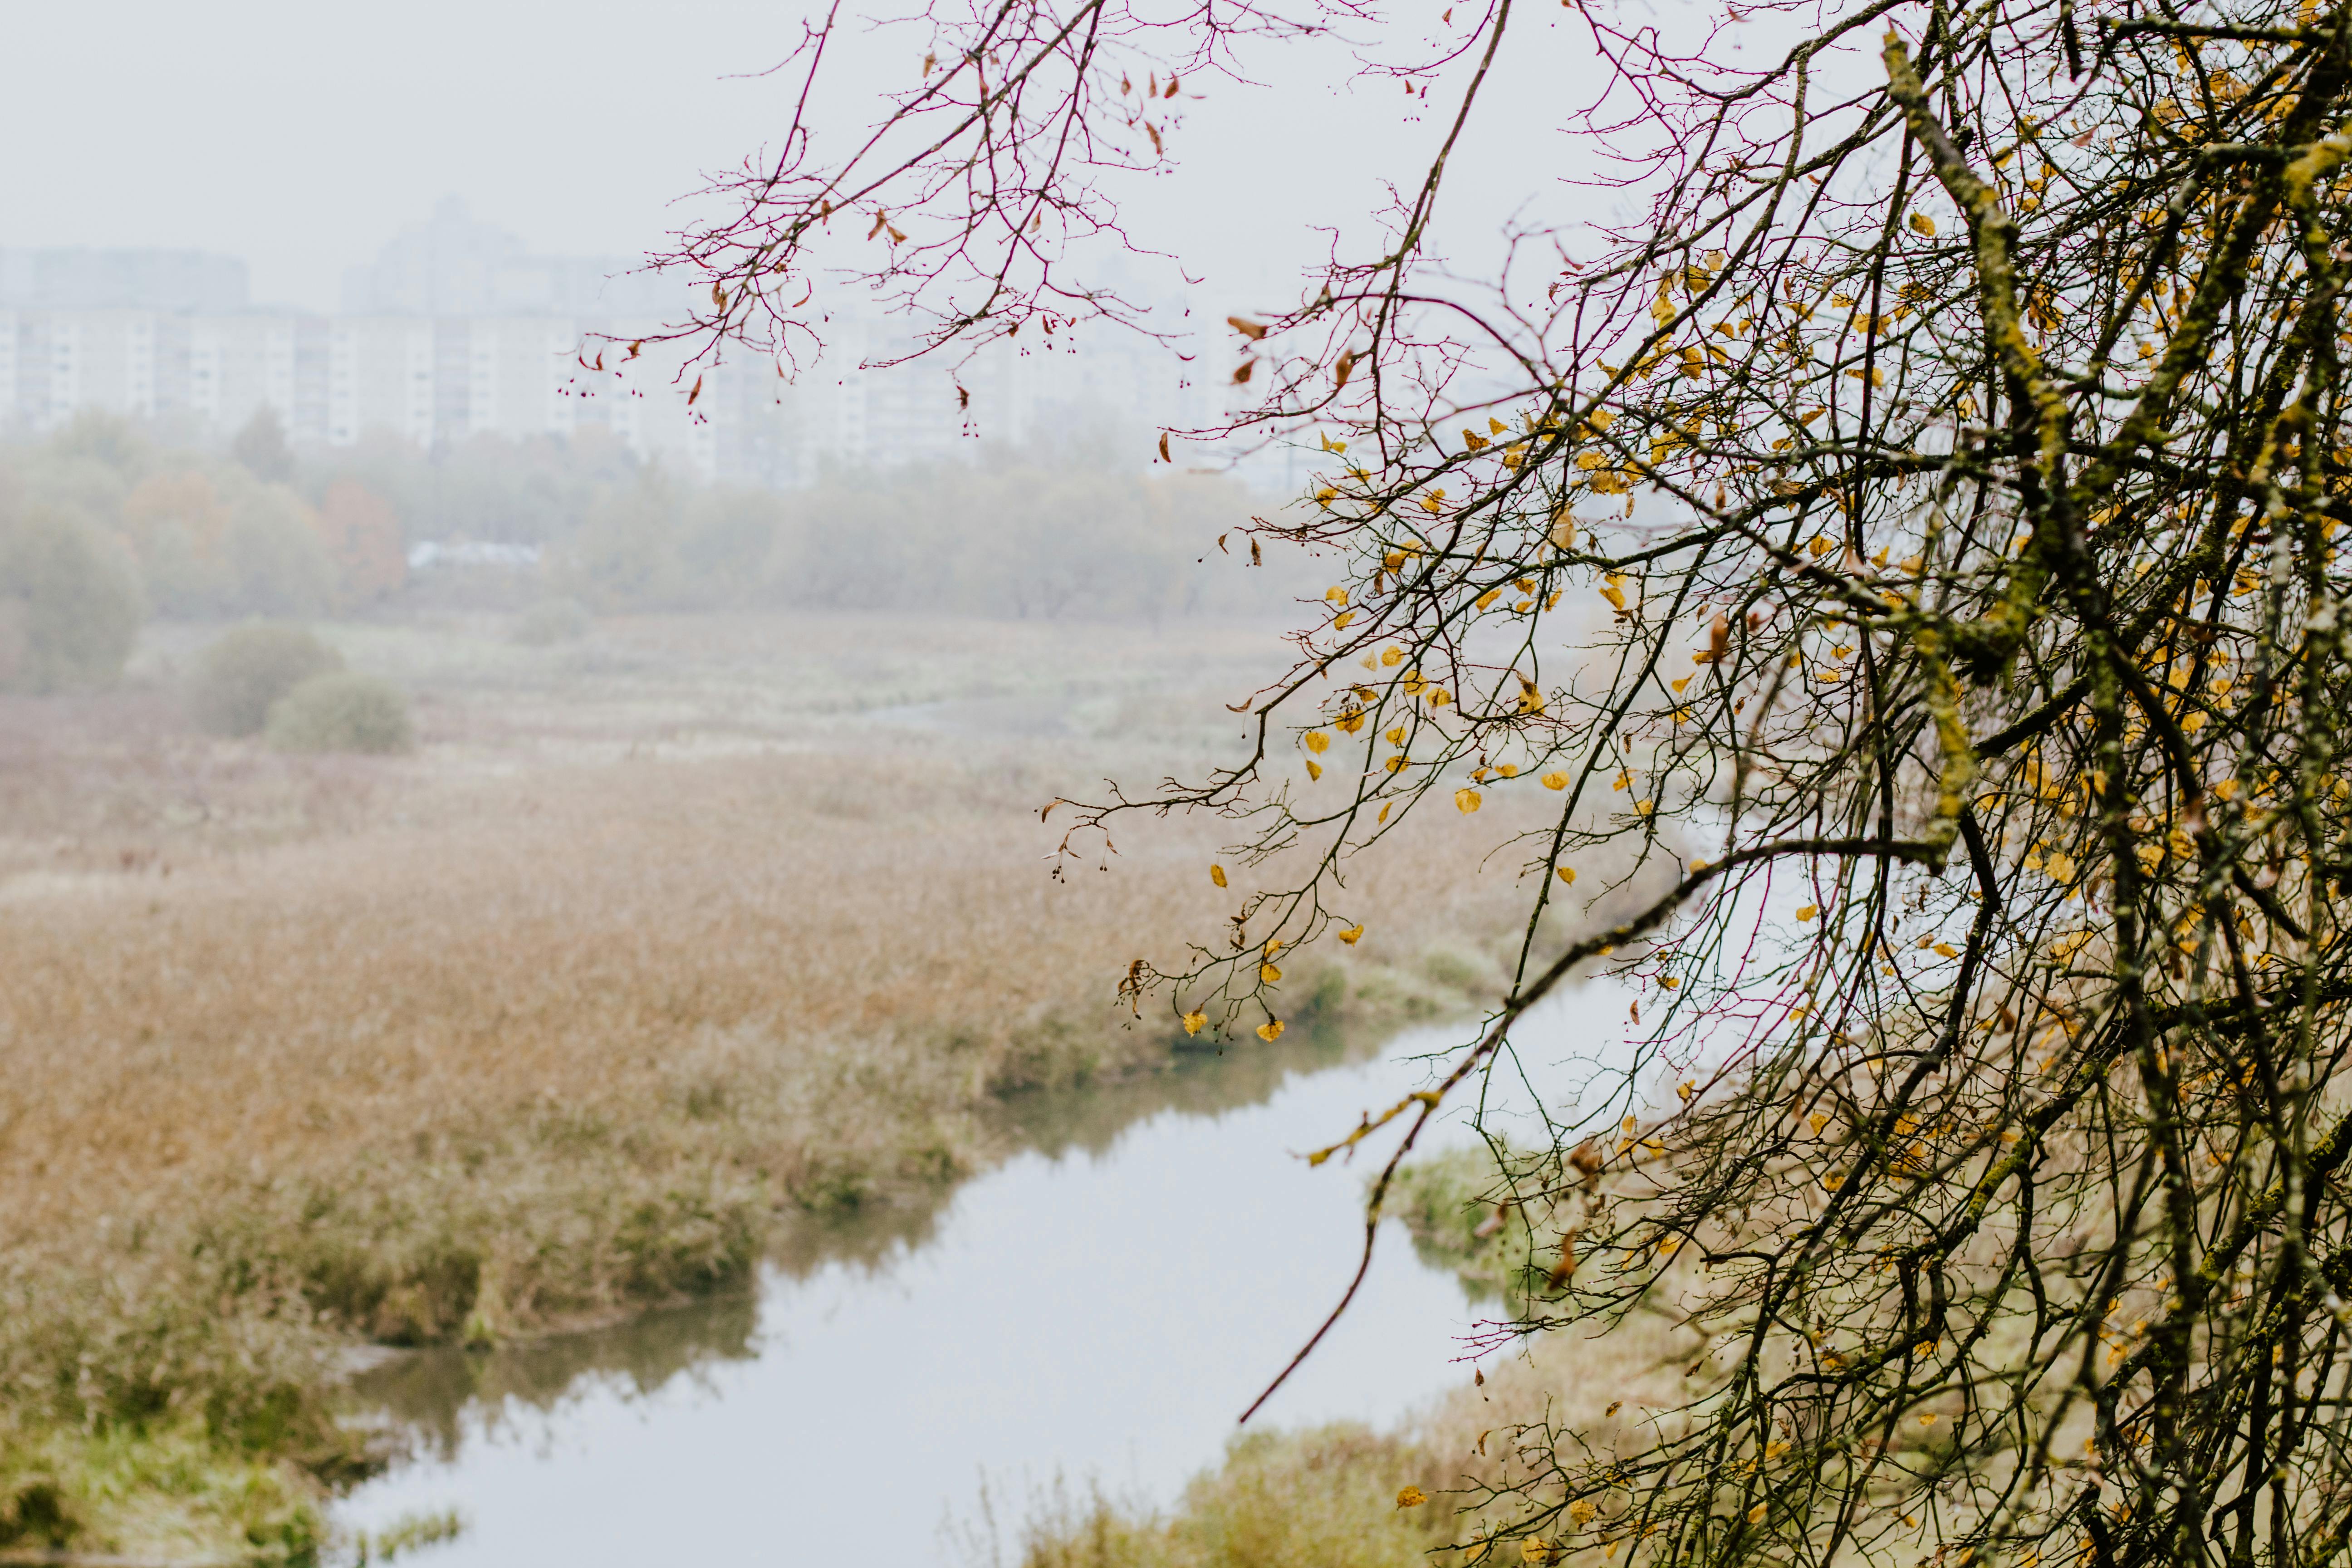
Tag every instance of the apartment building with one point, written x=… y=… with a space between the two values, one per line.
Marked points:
x=455 y=330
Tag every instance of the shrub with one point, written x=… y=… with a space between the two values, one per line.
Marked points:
x=552 y=621
x=342 y=712
x=242 y=674
x=70 y=602
x=1325 y=1494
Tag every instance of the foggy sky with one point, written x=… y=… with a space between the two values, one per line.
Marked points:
x=301 y=137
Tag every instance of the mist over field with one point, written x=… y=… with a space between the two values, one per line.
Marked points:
x=477 y=869
x=557 y=1003
x=1087 y=786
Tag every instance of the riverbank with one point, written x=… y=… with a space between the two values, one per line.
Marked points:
x=535 y=1030
x=1479 y=1459
x=1480 y=1462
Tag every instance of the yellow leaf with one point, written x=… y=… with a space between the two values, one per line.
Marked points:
x=1465 y=801
x=1615 y=595
x=1946 y=949
x=1922 y=223
x=1489 y=597
x=1391 y=656
x=1352 y=935
x=1217 y=875
x=1496 y=425
x=1508 y=769
x=1396 y=737
x=1929 y=1419
x=1678 y=685
x=1567 y=874
x=1383 y=817
x=1438 y=697
x=1314 y=769
x=1268 y=974
x=1193 y=1021
x=1338 y=595
x=1392 y=764
x=1643 y=808
x=1270 y=1030
x=1326 y=495
x=1412 y=1497
x=1340 y=621
x=1318 y=741
x=1808 y=912
x=1756 y=1514
x=1554 y=781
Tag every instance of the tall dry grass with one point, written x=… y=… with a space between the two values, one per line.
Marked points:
x=653 y=962
x=568 y=1044
x=648 y=935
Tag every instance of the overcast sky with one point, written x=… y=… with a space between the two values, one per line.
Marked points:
x=302 y=136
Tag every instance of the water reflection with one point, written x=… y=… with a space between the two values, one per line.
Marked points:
x=431 y=1396
x=1104 y=1311
x=1099 y=1308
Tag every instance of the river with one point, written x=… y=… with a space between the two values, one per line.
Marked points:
x=1098 y=1311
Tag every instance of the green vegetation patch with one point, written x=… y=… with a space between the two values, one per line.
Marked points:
x=343 y=712
x=1324 y=1495
x=244 y=672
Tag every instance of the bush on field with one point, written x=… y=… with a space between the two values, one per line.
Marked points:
x=69 y=601
x=1280 y=1497
x=247 y=670
x=342 y=712
x=552 y=621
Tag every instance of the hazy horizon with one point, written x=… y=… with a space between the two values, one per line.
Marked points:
x=302 y=140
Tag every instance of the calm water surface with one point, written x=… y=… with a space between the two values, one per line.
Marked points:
x=1101 y=1312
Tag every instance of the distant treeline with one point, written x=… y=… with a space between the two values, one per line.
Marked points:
x=101 y=526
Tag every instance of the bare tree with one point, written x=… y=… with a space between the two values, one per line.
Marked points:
x=1976 y=369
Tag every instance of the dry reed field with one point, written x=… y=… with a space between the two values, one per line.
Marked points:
x=657 y=950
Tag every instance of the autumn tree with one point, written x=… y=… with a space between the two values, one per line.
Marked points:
x=1954 y=432
x=363 y=539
